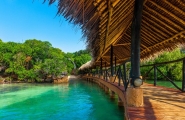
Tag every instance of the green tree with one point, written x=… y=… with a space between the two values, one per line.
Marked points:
x=35 y=60
x=76 y=59
x=172 y=70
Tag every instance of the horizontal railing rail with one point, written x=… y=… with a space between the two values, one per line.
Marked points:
x=155 y=67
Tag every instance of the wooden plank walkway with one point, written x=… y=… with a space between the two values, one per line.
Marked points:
x=160 y=103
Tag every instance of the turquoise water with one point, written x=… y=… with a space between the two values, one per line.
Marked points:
x=78 y=100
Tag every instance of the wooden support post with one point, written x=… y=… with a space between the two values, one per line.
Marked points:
x=98 y=72
x=183 y=73
x=125 y=73
x=101 y=68
x=112 y=94
x=88 y=72
x=115 y=65
x=111 y=61
x=111 y=65
x=155 y=75
x=120 y=102
x=119 y=75
x=95 y=72
x=105 y=71
x=106 y=89
x=135 y=43
x=134 y=94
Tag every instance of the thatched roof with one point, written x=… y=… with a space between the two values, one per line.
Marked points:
x=86 y=65
x=108 y=22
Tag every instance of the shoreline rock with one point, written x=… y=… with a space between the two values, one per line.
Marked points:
x=65 y=79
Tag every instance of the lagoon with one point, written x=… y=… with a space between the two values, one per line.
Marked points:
x=76 y=100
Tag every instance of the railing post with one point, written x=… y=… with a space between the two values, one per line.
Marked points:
x=91 y=72
x=95 y=73
x=115 y=64
x=98 y=73
x=155 y=75
x=183 y=78
x=119 y=74
x=111 y=65
x=88 y=72
x=111 y=61
x=104 y=74
x=105 y=71
x=125 y=74
x=101 y=68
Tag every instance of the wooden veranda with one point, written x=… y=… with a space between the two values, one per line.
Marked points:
x=118 y=31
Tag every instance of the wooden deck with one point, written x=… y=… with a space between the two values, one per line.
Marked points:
x=160 y=103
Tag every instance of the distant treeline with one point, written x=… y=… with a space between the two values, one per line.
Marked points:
x=35 y=60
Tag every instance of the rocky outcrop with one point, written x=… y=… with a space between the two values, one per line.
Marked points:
x=61 y=80
x=2 y=80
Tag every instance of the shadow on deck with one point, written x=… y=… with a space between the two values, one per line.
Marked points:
x=160 y=103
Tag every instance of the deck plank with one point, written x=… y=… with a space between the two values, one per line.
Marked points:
x=160 y=103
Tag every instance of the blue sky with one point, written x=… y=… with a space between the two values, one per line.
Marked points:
x=30 y=19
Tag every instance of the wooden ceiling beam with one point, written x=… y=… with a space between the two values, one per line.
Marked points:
x=116 y=14
x=106 y=56
x=180 y=2
x=105 y=60
x=119 y=30
x=120 y=21
x=145 y=37
x=95 y=16
x=158 y=15
x=124 y=59
x=117 y=35
x=148 y=37
x=148 y=30
x=171 y=14
x=125 y=11
x=116 y=54
x=176 y=8
x=162 y=22
x=115 y=10
x=121 y=39
x=155 y=29
x=121 y=44
x=126 y=34
x=167 y=40
x=142 y=45
x=113 y=28
x=158 y=26
x=102 y=6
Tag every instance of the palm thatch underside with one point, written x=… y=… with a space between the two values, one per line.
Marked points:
x=108 y=22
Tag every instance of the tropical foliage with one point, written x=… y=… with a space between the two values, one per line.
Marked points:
x=35 y=60
x=171 y=70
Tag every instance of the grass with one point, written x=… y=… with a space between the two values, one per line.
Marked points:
x=167 y=84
